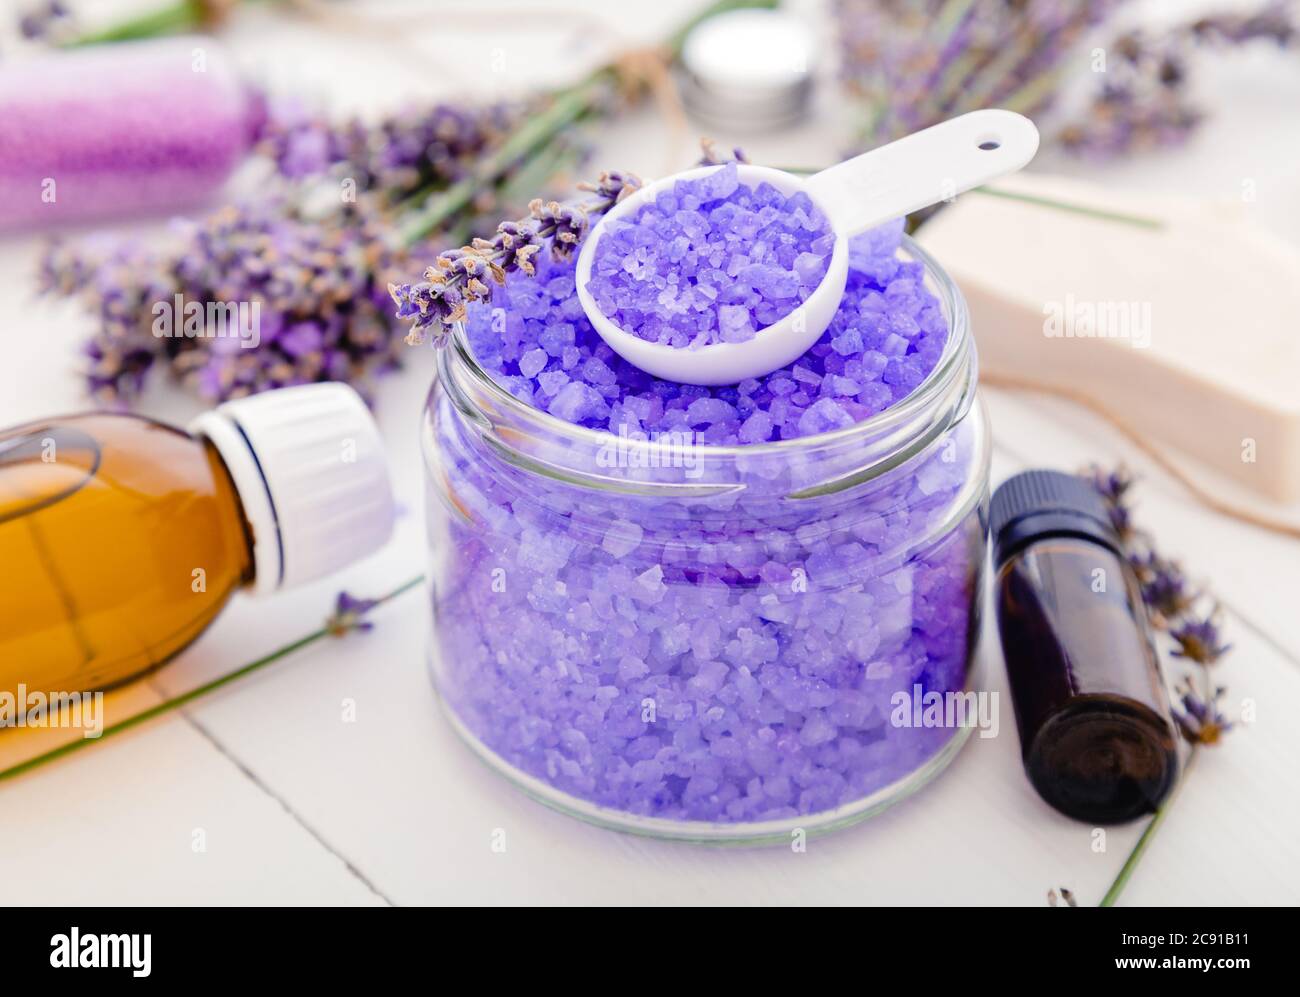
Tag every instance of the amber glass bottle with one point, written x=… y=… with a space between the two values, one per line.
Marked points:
x=122 y=538
x=1096 y=735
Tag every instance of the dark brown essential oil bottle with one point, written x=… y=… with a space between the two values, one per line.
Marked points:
x=1096 y=735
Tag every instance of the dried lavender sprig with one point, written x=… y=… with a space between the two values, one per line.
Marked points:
x=457 y=278
x=315 y=262
x=1171 y=603
x=1165 y=588
x=1199 y=640
x=1201 y=721
x=1144 y=100
x=1142 y=103
x=349 y=615
x=409 y=153
x=313 y=273
x=917 y=62
x=461 y=276
x=1113 y=487
x=314 y=286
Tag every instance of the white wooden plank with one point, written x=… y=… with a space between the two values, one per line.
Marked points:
x=160 y=816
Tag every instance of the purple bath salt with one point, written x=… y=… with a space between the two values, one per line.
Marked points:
x=711 y=260
x=119 y=129
x=708 y=641
x=886 y=337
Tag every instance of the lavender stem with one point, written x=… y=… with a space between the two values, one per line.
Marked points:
x=176 y=702
x=183 y=15
x=1148 y=835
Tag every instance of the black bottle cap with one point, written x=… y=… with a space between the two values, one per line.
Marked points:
x=1036 y=504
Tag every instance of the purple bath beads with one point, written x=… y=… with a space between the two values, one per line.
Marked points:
x=710 y=260
x=886 y=337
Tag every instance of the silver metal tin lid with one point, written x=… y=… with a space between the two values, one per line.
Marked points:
x=748 y=69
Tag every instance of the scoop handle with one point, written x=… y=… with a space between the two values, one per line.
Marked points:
x=924 y=168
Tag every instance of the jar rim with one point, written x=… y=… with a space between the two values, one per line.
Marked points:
x=933 y=389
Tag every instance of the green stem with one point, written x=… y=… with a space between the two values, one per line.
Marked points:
x=551 y=160
x=1148 y=834
x=567 y=108
x=178 y=701
x=177 y=17
x=1141 y=221
x=183 y=15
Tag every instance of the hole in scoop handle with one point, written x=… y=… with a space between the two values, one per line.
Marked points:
x=929 y=166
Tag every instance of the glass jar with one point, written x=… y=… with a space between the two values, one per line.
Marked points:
x=703 y=642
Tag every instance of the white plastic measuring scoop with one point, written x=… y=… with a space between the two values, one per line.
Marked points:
x=924 y=168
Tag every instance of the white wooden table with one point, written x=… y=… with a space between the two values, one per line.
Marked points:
x=298 y=805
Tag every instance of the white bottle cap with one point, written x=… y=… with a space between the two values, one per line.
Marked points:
x=310 y=470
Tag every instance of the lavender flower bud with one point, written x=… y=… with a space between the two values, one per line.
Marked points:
x=1200 y=721
x=410 y=151
x=565 y=223
x=461 y=276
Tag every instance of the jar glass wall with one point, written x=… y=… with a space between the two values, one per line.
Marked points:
x=704 y=642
